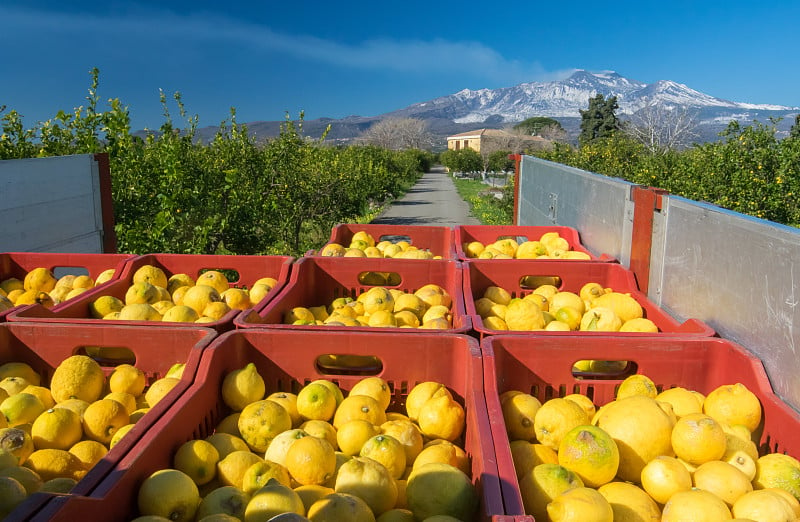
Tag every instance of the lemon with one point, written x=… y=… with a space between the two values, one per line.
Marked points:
x=776 y=470
x=214 y=279
x=39 y=279
x=683 y=401
x=169 y=493
x=104 y=305
x=408 y=434
x=78 y=377
x=555 y=418
x=311 y=493
x=159 y=389
x=420 y=393
x=232 y=467
x=524 y=314
x=591 y=453
x=440 y=450
x=21 y=408
x=340 y=506
x=216 y=310
x=733 y=404
x=58 y=428
x=58 y=485
x=77 y=405
x=199 y=296
x=724 y=480
x=441 y=489
x=53 y=463
x=289 y=402
x=242 y=386
x=178 y=280
x=17 y=443
x=12 y=493
x=526 y=456
x=180 y=314
x=226 y=500
x=352 y=435
x=151 y=274
x=226 y=443
x=624 y=306
x=29 y=479
x=519 y=412
x=764 y=505
x=636 y=384
x=397 y=515
x=629 y=502
x=441 y=418
x=278 y=446
x=584 y=402
x=374 y=387
x=272 y=500
x=103 y=418
x=316 y=401
x=433 y=294
x=20 y=369
x=89 y=452
x=198 y=459
x=258 y=474
x=388 y=451
x=120 y=433
x=664 y=476
x=261 y=421
x=580 y=504
x=230 y=424
x=124 y=398
x=698 y=438
x=310 y=460
x=696 y=505
x=13 y=385
x=359 y=407
x=369 y=480
x=639 y=324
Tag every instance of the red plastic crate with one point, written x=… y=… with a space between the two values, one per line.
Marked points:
x=286 y=361
x=17 y=264
x=489 y=234
x=479 y=274
x=249 y=269
x=437 y=239
x=315 y=281
x=155 y=350
x=542 y=366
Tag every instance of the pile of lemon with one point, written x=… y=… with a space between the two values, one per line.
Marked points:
x=670 y=456
x=549 y=246
x=363 y=244
x=41 y=286
x=427 y=307
x=321 y=456
x=593 y=309
x=153 y=296
x=51 y=436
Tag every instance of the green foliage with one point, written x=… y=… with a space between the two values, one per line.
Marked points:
x=463 y=160
x=484 y=205
x=599 y=120
x=499 y=161
x=534 y=125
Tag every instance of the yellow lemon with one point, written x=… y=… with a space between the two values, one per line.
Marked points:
x=77 y=405
x=12 y=493
x=79 y=377
x=420 y=393
x=127 y=378
x=242 y=386
x=141 y=293
x=139 y=312
x=733 y=404
x=764 y=505
x=683 y=401
x=696 y=505
x=224 y=500
x=232 y=467
x=89 y=452
x=555 y=418
x=600 y=319
x=258 y=293
x=180 y=314
x=20 y=369
x=664 y=476
x=527 y=455
x=359 y=407
x=103 y=418
x=178 y=280
x=724 y=480
x=408 y=434
x=259 y=474
x=497 y=295
x=524 y=314
x=374 y=387
x=310 y=460
x=57 y=428
x=316 y=401
x=584 y=402
x=637 y=384
x=639 y=324
x=21 y=408
x=12 y=385
x=698 y=438
x=776 y=470
x=126 y=399
x=227 y=443
x=441 y=418
x=433 y=294
x=199 y=296
x=40 y=279
x=261 y=421
x=440 y=450
x=54 y=463
x=352 y=435
x=320 y=429
x=58 y=485
x=566 y=299
x=580 y=504
x=169 y=493
x=289 y=402
x=151 y=274
x=519 y=413
x=159 y=389
x=198 y=459
x=309 y=494
x=542 y=484
x=630 y=503
x=215 y=279
x=441 y=489
x=623 y=305
x=591 y=453
x=120 y=434
x=276 y=451
x=388 y=451
x=369 y=480
x=340 y=506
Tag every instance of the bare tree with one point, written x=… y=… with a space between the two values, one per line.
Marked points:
x=553 y=133
x=399 y=134
x=662 y=128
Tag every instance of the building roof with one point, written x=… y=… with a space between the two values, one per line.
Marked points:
x=492 y=132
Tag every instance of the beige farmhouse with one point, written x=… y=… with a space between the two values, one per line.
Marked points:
x=495 y=139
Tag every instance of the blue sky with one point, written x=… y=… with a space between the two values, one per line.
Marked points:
x=333 y=59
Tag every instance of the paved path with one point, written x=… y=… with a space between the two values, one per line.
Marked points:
x=432 y=201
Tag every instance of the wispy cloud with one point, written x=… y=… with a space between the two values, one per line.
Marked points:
x=435 y=56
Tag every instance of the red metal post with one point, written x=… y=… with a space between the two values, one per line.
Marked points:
x=517 y=159
x=646 y=200
x=106 y=203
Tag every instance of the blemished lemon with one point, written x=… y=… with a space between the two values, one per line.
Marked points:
x=540 y=485
x=359 y=407
x=89 y=452
x=58 y=428
x=232 y=467
x=12 y=493
x=629 y=502
x=441 y=418
x=440 y=450
x=261 y=421
x=375 y=387
x=127 y=378
x=637 y=384
x=169 y=493
x=276 y=451
x=555 y=418
x=310 y=460
x=369 y=480
x=764 y=505
x=580 y=504
x=316 y=401
x=776 y=470
x=352 y=435
x=54 y=463
x=408 y=434
x=733 y=404
x=29 y=479
x=519 y=413
x=388 y=451
x=420 y=393
x=242 y=386
x=20 y=369
x=696 y=505
x=641 y=430
x=17 y=445
x=289 y=402
x=257 y=476
x=198 y=459
x=103 y=418
x=224 y=500
x=159 y=389
x=78 y=376
x=527 y=455
x=227 y=443
x=698 y=438
x=724 y=480
x=664 y=476
x=340 y=506
x=683 y=401
x=441 y=489
x=591 y=453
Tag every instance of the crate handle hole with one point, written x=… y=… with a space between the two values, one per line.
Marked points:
x=380 y=278
x=109 y=356
x=609 y=370
x=61 y=271
x=532 y=282
x=348 y=364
